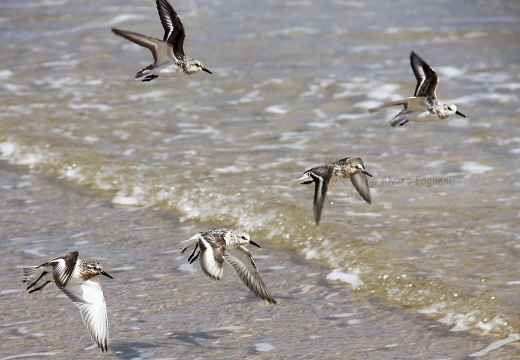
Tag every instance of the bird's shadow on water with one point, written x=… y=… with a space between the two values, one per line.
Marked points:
x=134 y=349
x=194 y=337
x=131 y=349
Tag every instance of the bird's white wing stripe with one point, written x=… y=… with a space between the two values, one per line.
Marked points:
x=421 y=84
x=208 y=263
x=165 y=15
x=61 y=273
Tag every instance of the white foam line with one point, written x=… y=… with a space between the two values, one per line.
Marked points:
x=23 y=356
x=16 y=323
x=496 y=345
x=224 y=328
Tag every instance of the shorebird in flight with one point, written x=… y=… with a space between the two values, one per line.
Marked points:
x=168 y=53
x=423 y=106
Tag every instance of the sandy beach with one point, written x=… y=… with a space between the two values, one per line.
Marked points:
x=160 y=308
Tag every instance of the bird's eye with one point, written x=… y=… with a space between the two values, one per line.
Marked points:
x=243 y=237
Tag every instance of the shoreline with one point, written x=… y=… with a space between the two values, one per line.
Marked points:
x=161 y=307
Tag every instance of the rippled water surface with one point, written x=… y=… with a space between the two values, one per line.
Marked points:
x=291 y=85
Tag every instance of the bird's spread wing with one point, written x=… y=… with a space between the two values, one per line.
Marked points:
x=161 y=51
x=408 y=104
x=63 y=268
x=241 y=260
x=403 y=102
x=321 y=185
x=360 y=182
x=212 y=258
x=88 y=297
x=174 y=32
x=427 y=78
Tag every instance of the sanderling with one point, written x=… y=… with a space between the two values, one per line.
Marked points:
x=351 y=167
x=424 y=106
x=168 y=54
x=71 y=276
x=215 y=245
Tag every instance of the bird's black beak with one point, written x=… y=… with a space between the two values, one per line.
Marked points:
x=366 y=173
x=206 y=70
x=459 y=113
x=106 y=274
x=253 y=243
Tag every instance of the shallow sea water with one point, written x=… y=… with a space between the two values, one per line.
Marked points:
x=290 y=89
x=160 y=307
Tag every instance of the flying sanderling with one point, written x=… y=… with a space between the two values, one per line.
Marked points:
x=71 y=276
x=424 y=106
x=351 y=167
x=215 y=246
x=168 y=54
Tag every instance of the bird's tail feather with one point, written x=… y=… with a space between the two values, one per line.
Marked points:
x=33 y=275
x=190 y=243
x=28 y=272
x=398 y=120
x=146 y=74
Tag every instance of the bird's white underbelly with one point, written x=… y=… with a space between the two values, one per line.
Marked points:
x=168 y=70
x=424 y=116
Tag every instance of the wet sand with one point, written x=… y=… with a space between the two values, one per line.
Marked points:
x=161 y=308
